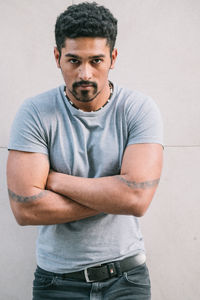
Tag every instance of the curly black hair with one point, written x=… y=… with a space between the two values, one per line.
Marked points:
x=86 y=20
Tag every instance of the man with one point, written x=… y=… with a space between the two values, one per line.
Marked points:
x=84 y=162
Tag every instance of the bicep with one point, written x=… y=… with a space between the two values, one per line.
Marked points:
x=142 y=164
x=26 y=171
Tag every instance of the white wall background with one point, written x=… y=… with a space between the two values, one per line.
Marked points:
x=159 y=54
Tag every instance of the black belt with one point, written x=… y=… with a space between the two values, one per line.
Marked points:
x=108 y=270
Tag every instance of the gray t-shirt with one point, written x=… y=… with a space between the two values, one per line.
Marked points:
x=86 y=144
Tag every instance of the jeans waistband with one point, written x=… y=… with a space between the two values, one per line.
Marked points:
x=103 y=271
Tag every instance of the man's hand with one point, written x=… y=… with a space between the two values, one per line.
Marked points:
x=52 y=180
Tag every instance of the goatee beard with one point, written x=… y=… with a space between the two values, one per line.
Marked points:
x=84 y=97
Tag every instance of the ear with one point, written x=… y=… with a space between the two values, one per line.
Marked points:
x=114 y=57
x=57 y=56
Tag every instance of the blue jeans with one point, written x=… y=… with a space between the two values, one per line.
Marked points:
x=131 y=285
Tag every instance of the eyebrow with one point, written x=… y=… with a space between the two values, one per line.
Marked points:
x=79 y=57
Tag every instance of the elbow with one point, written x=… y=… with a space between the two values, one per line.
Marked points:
x=21 y=222
x=139 y=213
x=21 y=219
x=20 y=214
x=139 y=205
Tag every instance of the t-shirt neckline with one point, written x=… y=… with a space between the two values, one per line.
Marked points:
x=79 y=112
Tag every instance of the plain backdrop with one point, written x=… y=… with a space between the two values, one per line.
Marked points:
x=159 y=55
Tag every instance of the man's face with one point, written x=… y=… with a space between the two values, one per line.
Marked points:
x=85 y=63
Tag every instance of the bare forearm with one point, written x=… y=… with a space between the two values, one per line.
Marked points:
x=113 y=194
x=47 y=208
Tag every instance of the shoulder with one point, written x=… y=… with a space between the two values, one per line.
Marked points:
x=36 y=113
x=45 y=101
x=134 y=102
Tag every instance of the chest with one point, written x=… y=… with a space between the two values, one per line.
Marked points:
x=87 y=147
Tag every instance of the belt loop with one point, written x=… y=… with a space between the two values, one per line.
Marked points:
x=118 y=268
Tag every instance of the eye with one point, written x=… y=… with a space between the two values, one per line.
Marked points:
x=74 y=61
x=96 y=61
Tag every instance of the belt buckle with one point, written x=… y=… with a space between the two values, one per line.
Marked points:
x=87 y=275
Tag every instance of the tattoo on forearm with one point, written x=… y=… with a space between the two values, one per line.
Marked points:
x=139 y=185
x=25 y=199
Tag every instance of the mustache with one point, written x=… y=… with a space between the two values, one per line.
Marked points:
x=84 y=82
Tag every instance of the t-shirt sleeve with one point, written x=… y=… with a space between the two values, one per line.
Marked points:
x=27 y=131
x=145 y=124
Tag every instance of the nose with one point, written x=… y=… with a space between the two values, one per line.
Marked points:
x=85 y=72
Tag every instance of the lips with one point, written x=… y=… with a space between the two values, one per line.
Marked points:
x=85 y=85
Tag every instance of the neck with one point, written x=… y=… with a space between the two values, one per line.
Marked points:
x=97 y=103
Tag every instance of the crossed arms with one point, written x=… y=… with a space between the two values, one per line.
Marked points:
x=39 y=196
